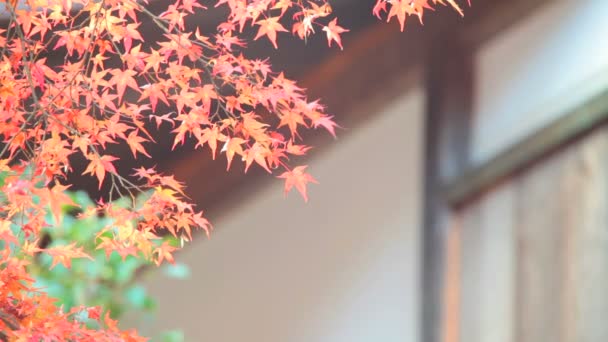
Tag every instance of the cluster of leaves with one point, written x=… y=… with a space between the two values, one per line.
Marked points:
x=112 y=83
x=401 y=9
x=108 y=283
x=96 y=281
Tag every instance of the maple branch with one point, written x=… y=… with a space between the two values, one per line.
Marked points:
x=205 y=62
x=10 y=321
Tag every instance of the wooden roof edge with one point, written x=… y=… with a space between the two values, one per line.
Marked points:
x=338 y=80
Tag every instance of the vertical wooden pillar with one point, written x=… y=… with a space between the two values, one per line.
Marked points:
x=449 y=90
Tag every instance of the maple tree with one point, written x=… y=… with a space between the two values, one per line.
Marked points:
x=111 y=84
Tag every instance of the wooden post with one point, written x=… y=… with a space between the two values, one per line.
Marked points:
x=449 y=100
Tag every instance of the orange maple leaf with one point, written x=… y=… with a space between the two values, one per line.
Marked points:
x=283 y=5
x=134 y=141
x=298 y=178
x=164 y=252
x=232 y=147
x=401 y=9
x=209 y=136
x=292 y=119
x=333 y=31
x=327 y=122
x=269 y=27
x=56 y=197
x=99 y=165
x=297 y=150
x=122 y=79
x=64 y=254
x=258 y=154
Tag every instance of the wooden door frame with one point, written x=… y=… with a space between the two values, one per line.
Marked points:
x=451 y=180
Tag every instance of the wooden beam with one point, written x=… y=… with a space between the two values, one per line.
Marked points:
x=528 y=151
x=485 y=19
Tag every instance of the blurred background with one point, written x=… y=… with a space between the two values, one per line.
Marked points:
x=466 y=198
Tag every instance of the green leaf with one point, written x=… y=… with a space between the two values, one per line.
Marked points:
x=172 y=336
x=178 y=271
x=124 y=271
x=149 y=304
x=136 y=295
x=82 y=199
x=3 y=176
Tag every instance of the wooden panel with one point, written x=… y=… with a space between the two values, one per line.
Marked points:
x=563 y=246
x=488 y=269
x=584 y=214
x=470 y=275
x=538 y=243
x=535 y=252
x=497 y=259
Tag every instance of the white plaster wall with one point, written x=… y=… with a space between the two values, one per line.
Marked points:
x=539 y=69
x=341 y=268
